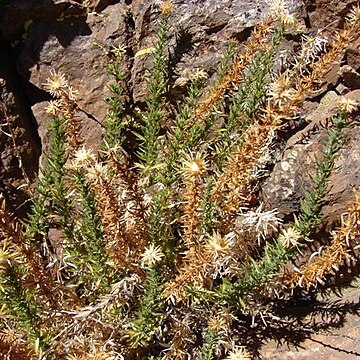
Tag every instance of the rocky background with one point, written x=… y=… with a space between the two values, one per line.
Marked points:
x=74 y=37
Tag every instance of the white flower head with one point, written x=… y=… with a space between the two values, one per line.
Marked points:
x=54 y=107
x=290 y=237
x=218 y=245
x=348 y=105
x=151 y=255
x=239 y=354
x=279 y=9
x=56 y=83
x=84 y=156
x=261 y=221
x=194 y=166
x=97 y=172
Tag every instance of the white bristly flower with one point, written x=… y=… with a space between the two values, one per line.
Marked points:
x=56 y=83
x=261 y=221
x=239 y=354
x=151 y=255
x=348 y=105
x=290 y=237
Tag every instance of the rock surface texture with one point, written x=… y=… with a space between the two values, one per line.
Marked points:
x=75 y=37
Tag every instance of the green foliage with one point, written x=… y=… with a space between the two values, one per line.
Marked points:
x=18 y=302
x=88 y=252
x=262 y=272
x=310 y=206
x=144 y=326
x=143 y=250
x=150 y=129
x=226 y=61
x=50 y=185
x=115 y=117
x=207 y=350
x=248 y=98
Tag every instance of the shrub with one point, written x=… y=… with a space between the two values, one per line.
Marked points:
x=150 y=262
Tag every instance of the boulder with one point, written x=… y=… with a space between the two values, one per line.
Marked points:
x=20 y=145
x=293 y=171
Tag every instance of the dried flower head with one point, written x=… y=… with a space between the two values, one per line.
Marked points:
x=56 y=83
x=151 y=255
x=119 y=51
x=72 y=94
x=217 y=323
x=279 y=10
x=82 y=158
x=354 y=15
x=166 y=7
x=239 y=354
x=188 y=75
x=348 y=105
x=218 y=245
x=290 y=237
x=198 y=74
x=260 y=221
x=54 y=107
x=194 y=166
x=97 y=173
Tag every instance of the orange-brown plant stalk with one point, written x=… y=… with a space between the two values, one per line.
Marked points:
x=135 y=215
x=328 y=261
x=193 y=171
x=233 y=188
x=256 y=42
x=200 y=265
x=36 y=276
x=119 y=243
x=65 y=106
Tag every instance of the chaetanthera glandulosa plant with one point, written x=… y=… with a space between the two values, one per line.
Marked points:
x=166 y=253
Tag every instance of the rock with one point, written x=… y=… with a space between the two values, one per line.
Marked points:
x=19 y=143
x=201 y=36
x=350 y=76
x=338 y=337
x=288 y=180
x=352 y=56
x=61 y=35
x=325 y=109
x=74 y=46
x=342 y=89
x=327 y=15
